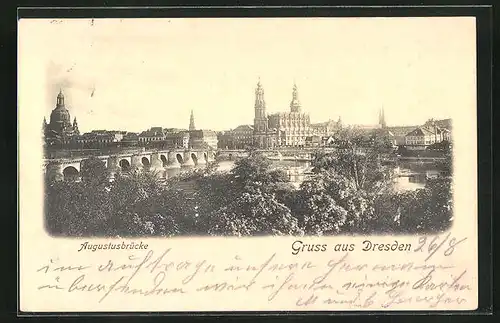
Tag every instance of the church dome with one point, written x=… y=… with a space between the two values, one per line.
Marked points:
x=60 y=115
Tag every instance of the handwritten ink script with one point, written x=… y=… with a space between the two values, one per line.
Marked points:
x=424 y=278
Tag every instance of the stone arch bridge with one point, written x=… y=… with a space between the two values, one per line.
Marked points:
x=158 y=160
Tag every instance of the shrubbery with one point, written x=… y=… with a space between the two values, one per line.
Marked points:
x=349 y=193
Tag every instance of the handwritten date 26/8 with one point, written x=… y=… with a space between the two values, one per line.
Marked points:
x=446 y=243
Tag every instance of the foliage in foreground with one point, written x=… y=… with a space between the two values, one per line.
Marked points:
x=349 y=193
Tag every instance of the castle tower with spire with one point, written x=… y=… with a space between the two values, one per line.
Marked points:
x=191 y=122
x=293 y=127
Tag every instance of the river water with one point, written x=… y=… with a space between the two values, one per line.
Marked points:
x=409 y=175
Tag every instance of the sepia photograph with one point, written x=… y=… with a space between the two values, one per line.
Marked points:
x=179 y=129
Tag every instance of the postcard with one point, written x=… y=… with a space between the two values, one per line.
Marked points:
x=247 y=164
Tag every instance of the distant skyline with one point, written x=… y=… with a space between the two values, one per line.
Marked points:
x=133 y=74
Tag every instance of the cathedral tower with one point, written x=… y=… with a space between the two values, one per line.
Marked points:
x=260 y=120
x=295 y=104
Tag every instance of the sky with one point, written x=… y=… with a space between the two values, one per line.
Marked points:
x=133 y=74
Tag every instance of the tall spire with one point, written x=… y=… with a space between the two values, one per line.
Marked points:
x=191 y=122
x=381 y=118
x=295 y=104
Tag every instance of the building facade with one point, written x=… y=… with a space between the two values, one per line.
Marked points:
x=177 y=139
x=242 y=136
x=400 y=133
x=280 y=129
x=203 y=139
x=431 y=132
x=440 y=129
x=152 y=134
x=225 y=140
x=419 y=139
x=130 y=139
x=326 y=129
x=99 y=138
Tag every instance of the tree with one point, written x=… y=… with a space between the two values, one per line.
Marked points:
x=437 y=206
x=253 y=169
x=131 y=196
x=317 y=211
x=363 y=168
x=381 y=141
x=228 y=203
x=330 y=203
x=254 y=213
x=93 y=169
x=446 y=164
x=77 y=209
x=387 y=214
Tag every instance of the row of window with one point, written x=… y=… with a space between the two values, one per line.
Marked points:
x=98 y=140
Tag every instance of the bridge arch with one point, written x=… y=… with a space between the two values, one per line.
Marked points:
x=145 y=162
x=194 y=158
x=124 y=165
x=164 y=160
x=179 y=158
x=70 y=173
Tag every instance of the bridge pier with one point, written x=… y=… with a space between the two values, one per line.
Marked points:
x=113 y=167
x=172 y=160
x=136 y=163
x=201 y=158
x=157 y=165
x=55 y=172
x=210 y=156
x=188 y=161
